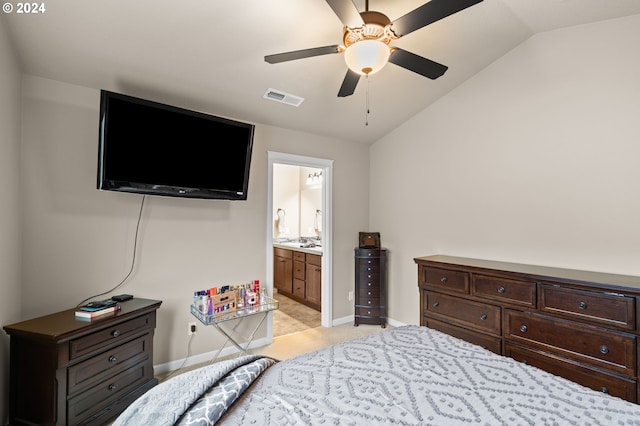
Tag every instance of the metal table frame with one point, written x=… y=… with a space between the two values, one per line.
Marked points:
x=238 y=314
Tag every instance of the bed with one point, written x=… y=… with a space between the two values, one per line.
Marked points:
x=409 y=375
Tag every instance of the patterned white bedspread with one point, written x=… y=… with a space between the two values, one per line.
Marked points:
x=417 y=376
x=197 y=397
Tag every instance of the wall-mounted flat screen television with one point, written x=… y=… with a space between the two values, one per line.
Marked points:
x=152 y=148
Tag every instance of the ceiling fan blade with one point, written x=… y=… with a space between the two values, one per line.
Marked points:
x=349 y=84
x=427 y=14
x=347 y=12
x=417 y=64
x=301 y=54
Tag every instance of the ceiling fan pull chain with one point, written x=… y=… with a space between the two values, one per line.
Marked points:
x=366 y=116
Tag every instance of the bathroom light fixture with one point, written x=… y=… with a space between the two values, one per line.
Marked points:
x=314 y=178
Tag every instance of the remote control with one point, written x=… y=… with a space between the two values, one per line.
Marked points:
x=122 y=297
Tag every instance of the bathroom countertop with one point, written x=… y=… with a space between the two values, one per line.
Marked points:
x=297 y=247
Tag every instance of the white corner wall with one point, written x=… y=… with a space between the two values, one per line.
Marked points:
x=533 y=160
x=10 y=246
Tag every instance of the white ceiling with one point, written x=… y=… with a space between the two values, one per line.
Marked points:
x=208 y=55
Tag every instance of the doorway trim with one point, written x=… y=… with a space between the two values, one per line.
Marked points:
x=327 y=231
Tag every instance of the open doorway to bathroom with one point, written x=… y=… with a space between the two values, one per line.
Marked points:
x=299 y=241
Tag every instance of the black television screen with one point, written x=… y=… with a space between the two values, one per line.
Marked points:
x=152 y=148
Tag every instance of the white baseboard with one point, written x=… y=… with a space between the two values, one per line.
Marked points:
x=343 y=320
x=349 y=318
x=204 y=357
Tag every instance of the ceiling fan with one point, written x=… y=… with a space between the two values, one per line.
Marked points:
x=367 y=37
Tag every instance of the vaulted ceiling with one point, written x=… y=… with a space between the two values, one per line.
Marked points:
x=208 y=55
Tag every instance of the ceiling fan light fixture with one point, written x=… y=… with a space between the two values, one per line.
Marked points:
x=367 y=57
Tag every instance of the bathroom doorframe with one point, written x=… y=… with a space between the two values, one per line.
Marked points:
x=327 y=233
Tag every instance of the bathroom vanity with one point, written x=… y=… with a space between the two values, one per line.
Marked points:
x=297 y=273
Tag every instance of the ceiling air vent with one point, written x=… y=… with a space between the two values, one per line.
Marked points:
x=285 y=98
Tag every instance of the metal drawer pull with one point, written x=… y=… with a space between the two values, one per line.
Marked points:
x=113 y=387
x=604 y=389
x=369 y=301
x=369 y=276
x=443 y=280
x=524 y=328
x=582 y=305
x=604 y=349
x=436 y=304
x=368 y=293
x=483 y=317
x=501 y=290
x=115 y=333
x=113 y=359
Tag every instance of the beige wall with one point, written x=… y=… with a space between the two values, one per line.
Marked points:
x=78 y=240
x=533 y=160
x=9 y=206
x=286 y=197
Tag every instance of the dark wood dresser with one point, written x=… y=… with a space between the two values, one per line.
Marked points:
x=68 y=371
x=580 y=325
x=370 y=286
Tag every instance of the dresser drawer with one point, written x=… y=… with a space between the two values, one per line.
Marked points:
x=370 y=253
x=368 y=302
x=102 y=394
x=369 y=312
x=515 y=292
x=464 y=312
x=368 y=266
x=596 y=307
x=614 y=351
x=314 y=259
x=607 y=383
x=280 y=252
x=445 y=279
x=299 y=288
x=369 y=291
x=369 y=275
x=488 y=342
x=110 y=336
x=299 y=269
x=108 y=363
x=369 y=286
x=299 y=256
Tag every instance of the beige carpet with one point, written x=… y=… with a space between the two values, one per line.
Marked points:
x=293 y=317
x=291 y=345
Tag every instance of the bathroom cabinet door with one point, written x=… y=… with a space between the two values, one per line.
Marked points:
x=283 y=270
x=314 y=280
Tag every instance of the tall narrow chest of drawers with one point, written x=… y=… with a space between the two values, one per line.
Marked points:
x=370 y=287
x=69 y=371
x=584 y=326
